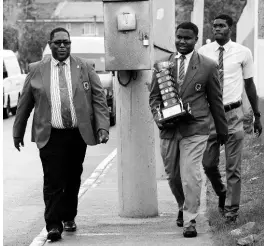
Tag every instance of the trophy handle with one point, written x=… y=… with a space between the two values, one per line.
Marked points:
x=158 y=109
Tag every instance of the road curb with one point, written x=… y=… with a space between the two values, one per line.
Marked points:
x=89 y=183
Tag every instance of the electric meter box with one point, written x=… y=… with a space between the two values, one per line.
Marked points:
x=127 y=33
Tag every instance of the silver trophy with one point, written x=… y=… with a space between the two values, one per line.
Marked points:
x=172 y=106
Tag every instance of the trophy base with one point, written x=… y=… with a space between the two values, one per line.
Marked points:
x=172 y=112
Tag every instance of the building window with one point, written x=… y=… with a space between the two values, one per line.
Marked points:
x=89 y=29
x=68 y=26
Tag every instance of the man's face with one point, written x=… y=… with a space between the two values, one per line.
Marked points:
x=60 y=46
x=221 y=30
x=185 y=41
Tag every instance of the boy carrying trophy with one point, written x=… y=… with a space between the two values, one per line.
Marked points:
x=185 y=92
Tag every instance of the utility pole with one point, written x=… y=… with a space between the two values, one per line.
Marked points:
x=129 y=48
x=135 y=153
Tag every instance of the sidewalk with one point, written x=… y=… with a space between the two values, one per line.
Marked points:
x=99 y=224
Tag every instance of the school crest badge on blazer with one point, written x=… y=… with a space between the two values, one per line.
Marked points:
x=86 y=85
x=198 y=87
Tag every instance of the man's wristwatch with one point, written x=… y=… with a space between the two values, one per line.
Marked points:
x=258 y=114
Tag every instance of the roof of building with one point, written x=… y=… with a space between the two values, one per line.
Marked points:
x=66 y=11
x=44 y=10
x=78 y=10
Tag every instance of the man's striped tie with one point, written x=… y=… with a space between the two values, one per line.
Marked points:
x=65 y=97
x=221 y=66
x=181 y=72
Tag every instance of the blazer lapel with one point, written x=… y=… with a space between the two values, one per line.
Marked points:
x=191 y=71
x=45 y=75
x=75 y=73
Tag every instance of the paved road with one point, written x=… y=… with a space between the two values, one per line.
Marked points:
x=23 y=178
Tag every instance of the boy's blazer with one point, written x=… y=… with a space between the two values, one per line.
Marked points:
x=201 y=89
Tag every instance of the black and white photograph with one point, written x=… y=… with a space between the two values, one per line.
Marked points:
x=132 y=122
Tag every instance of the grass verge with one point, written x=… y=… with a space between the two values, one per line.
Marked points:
x=252 y=196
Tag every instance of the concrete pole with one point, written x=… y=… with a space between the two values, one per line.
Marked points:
x=135 y=153
x=197 y=17
x=137 y=185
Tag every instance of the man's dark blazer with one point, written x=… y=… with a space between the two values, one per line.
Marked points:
x=201 y=89
x=89 y=102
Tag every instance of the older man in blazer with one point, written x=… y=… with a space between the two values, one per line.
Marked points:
x=183 y=143
x=70 y=113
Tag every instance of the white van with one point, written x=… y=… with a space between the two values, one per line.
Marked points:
x=92 y=49
x=13 y=81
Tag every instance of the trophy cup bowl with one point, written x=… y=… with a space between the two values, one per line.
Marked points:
x=164 y=65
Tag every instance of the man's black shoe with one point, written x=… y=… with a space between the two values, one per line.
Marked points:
x=221 y=204
x=54 y=235
x=70 y=225
x=179 y=220
x=189 y=231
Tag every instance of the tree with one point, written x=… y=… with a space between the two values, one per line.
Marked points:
x=28 y=38
x=32 y=41
x=183 y=10
x=217 y=7
x=28 y=10
x=10 y=37
x=212 y=8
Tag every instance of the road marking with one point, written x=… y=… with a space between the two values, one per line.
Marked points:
x=127 y=234
x=101 y=169
x=132 y=234
x=89 y=183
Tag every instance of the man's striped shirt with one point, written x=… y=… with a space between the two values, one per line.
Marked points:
x=56 y=119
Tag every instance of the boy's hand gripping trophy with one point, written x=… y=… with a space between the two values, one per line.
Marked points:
x=172 y=106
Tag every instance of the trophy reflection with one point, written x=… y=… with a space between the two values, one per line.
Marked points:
x=172 y=106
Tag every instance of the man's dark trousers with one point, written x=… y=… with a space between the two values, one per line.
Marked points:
x=62 y=159
x=233 y=154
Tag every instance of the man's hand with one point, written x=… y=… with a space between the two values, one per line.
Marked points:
x=18 y=142
x=257 y=126
x=103 y=136
x=159 y=125
x=222 y=138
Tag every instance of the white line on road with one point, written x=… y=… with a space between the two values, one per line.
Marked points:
x=124 y=234
x=131 y=233
x=90 y=182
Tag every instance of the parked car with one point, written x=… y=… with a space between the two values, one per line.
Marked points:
x=92 y=49
x=13 y=81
